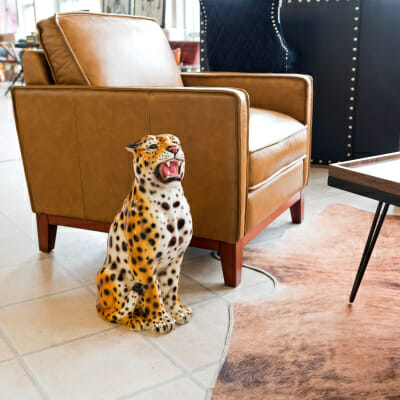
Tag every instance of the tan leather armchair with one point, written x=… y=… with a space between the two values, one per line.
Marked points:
x=105 y=80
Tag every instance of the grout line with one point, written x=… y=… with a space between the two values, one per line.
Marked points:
x=199 y=283
x=201 y=301
x=198 y=383
x=31 y=375
x=92 y=290
x=149 y=388
x=166 y=354
x=7 y=360
x=25 y=262
x=204 y=367
x=189 y=373
x=190 y=259
x=211 y=365
x=17 y=303
x=83 y=286
x=71 y=274
x=177 y=363
x=69 y=341
x=222 y=295
x=74 y=275
x=216 y=294
x=195 y=303
x=18 y=227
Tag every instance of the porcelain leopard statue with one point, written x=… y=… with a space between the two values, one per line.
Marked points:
x=138 y=284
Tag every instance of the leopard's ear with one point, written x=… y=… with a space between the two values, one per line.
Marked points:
x=132 y=147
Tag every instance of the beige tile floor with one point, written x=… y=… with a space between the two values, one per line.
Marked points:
x=53 y=345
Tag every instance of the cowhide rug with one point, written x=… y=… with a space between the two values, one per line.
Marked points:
x=306 y=341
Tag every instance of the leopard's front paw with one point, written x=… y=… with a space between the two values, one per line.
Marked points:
x=135 y=323
x=183 y=315
x=163 y=324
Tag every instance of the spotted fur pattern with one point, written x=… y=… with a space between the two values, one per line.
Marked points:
x=138 y=284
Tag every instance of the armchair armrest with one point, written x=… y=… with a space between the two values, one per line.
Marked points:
x=73 y=141
x=290 y=94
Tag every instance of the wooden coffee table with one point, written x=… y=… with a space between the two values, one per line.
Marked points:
x=377 y=178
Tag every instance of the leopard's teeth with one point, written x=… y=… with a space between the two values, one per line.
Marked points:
x=168 y=163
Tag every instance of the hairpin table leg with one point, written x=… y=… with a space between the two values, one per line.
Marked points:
x=369 y=247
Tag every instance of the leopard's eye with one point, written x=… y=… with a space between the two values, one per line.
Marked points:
x=153 y=147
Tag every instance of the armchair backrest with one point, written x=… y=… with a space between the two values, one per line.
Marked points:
x=107 y=50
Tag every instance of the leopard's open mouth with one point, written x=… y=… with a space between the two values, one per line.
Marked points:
x=170 y=170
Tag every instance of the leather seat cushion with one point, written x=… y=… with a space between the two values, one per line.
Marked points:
x=275 y=141
x=108 y=50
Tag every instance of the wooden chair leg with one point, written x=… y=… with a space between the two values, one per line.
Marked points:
x=231 y=260
x=46 y=233
x=297 y=210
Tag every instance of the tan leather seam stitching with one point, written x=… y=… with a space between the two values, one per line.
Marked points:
x=248 y=101
x=64 y=37
x=273 y=176
x=249 y=76
x=308 y=112
x=196 y=90
x=239 y=174
x=21 y=142
x=242 y=153
x=79 y=154
x=109 y=15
